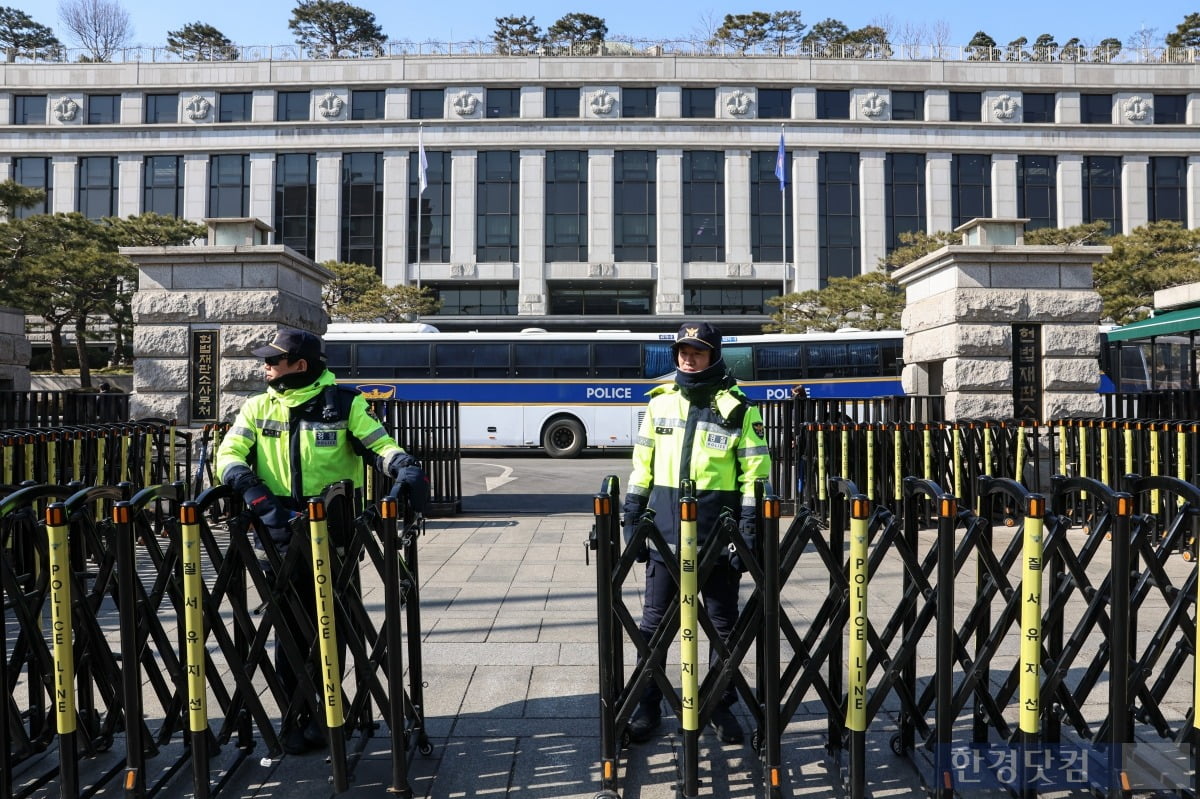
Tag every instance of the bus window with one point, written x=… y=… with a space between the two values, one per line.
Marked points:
x=824 y=360
x=660 y=361
x=551 y=359
x=390 y=359
x=777 y=362
x=862 y=358
x=617 y=359
x=337 y=358
x=470 y=359
x=739 y=361
x=892 y=357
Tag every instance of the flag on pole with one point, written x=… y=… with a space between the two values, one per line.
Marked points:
x=781 y=165
x=422 y=165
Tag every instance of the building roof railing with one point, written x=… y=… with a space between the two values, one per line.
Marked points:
x=1008 y=54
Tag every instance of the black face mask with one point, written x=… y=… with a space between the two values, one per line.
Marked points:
x=297 y=379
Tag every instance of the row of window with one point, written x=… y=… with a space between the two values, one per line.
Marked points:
x=503 y=103
x=634 y=204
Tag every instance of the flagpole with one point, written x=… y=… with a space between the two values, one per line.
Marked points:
x=420 y=192
x=783 y=215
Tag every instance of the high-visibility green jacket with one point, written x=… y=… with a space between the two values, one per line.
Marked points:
x=719 y=445
x=285 y=439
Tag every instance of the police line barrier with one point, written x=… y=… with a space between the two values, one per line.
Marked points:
x=162 y=615
x=1063 y=650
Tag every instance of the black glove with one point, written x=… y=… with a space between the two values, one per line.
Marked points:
x=274 y=516
x=629 y=531
x=395 y=462
x=414 y=479
x=748 y=530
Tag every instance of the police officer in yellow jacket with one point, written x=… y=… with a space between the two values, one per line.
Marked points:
x=302 y=434
x=702 y=428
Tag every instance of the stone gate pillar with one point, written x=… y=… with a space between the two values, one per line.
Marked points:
x=1001 y=329
x=199 y=310
x=15 y=351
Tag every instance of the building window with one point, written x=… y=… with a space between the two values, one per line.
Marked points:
x=1102 y=190
x=1170 y=109
x=774 y=103
x=296 y=201
x=1095 y=109
x=34 y=173
x=362 y=210
x=1168 y=189
x=966 y=106
x=971 y=188
x=472 y=301
x=366 y=104
x=566 y=206
x=562 y=103
x=638 y=102
x=635 y=205
x=833 y=103
x=162 y=109
x=589 y=299
x=837 y=216
x=1037 y=107
x=229 y=186
x=908 y=105
x=699 y=103
x=103 y=109
x=770 y=210
x=703 y=206
x=29 y=109
x=97 y=193
x=904 y=193
x=426 y=103
x=234 y=106
x=503 y=103
x=708 y=300
x=1037 y=190
x=291 y=106
x=434 y=225
x=497 y=206
x=162 y=185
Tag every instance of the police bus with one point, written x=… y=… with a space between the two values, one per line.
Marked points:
x=567 y=391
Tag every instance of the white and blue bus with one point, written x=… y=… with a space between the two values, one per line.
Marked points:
x=567 y=391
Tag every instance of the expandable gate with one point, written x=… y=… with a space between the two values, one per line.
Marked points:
x=160 y=604
x=1062 y=627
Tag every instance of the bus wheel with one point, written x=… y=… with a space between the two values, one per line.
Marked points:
x=563 y=438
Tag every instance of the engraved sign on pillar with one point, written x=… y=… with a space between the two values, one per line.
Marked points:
x=1027 y=371
x=204 y=370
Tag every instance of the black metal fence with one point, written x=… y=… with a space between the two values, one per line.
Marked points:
x=55 y=408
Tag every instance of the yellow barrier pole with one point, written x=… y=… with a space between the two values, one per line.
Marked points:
x=1062 y=447
x=897 y=464
x=988 y=434
x=1019 y=456
x=927 y=452
x=52 y=459
x=1155 y=469
x=856 y=678
x=822 y=489
x=30 y=440
x=689 y=630
x=845 y=450
x=123 y=463
x=193 y=621
x=1127 y=436
x=331 y=670
x=870 y=434
x=1105 y=453
x=147 y=454
x=63 y=646
x=1031 y=631
x=956 y=441
x=1083 y=450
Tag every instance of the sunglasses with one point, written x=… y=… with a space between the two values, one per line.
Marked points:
x=275 y=360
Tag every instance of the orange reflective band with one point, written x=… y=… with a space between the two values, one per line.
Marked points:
x=602 y=505
x=771 y=509
x=388 y=508
x=130 y=780
x=189 y=513
x=774 y=778
x=122 y=513
x=608 y=769
x=947 y=780
x=1036 y=506
x=949 y=508
x=860 y=508
x=56 y=515
x=687 y=510
x=1125 y=506
x=316 y=509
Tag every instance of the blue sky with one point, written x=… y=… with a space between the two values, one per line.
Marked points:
x=464 y=20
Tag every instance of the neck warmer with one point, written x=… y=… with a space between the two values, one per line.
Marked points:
x=702 y=385
x=297 y=379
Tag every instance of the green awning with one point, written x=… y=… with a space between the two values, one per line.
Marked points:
x=1175 y=322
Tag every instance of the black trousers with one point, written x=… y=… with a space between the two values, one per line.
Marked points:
x=720 y=594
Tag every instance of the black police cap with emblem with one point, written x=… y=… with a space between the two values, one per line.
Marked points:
x=294 y=344
x=701 y=335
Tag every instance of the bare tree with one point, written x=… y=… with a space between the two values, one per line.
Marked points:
x=100 y=26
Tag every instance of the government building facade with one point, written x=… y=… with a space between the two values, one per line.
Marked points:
x=607 y=190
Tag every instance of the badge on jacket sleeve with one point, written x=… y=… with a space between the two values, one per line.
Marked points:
x=758 y=430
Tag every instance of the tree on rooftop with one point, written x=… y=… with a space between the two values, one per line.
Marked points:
x=1044 y=48
x=199 y=41
x=743 y=31
x=1015 y=50
x=1106 y=51
x=335 y=29
x=517 y=36
x=982 y=48
x=825 y=39
x=21 y=37
x=102 y=27
x=578 y=34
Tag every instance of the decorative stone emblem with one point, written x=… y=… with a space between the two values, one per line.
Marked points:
x=739 y=103
x=739 y=270
x=872 y=104
x=65 y=109
x=602 y=270
x=1004 y=107
x=330 y=105
x=197 y=108
x=602 y=103
x=1137 y=108
x=462 y=270
x=465 y=103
